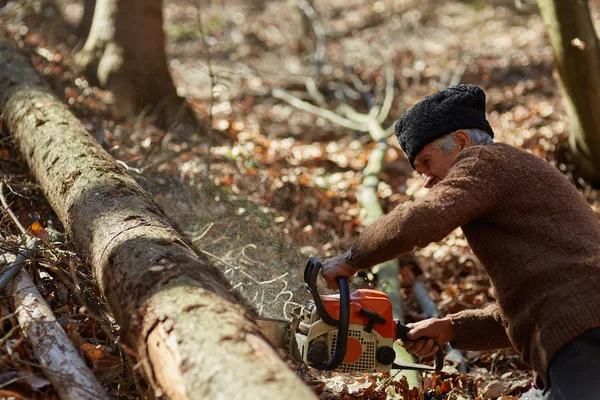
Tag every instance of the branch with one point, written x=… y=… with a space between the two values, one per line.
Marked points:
x=313 y=91
x=389 y=91
x=321 y=112
x=13 y=268
x=9 y=211
x=318 y=29
x=60 y=361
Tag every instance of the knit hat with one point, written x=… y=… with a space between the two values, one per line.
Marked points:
x=456 y=107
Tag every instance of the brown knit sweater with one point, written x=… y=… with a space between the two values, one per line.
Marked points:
x=535 y=235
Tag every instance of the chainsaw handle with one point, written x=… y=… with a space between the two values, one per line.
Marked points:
x=311 y=271
x=402 y=331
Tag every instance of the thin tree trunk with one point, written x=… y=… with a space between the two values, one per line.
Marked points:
x=129 y=35
x=387 y=272
x=84 y=26
x=173 y=306
x=577 y=57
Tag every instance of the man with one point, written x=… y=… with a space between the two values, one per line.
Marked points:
x=535 y=235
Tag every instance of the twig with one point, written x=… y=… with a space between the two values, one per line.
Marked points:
x=127 y=168
x=201 y=236
x=249 y=258
x=9 y=334
x=9 y=211
x=212 y=77
x=14 y=267
x=76 y=285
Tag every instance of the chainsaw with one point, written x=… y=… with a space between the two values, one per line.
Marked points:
x=360 y=340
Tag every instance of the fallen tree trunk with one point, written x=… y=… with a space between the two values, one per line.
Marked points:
x=173 y=306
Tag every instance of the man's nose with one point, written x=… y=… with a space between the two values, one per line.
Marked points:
x=427 y=179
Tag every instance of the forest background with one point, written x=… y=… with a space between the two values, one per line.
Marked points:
x=260 y=161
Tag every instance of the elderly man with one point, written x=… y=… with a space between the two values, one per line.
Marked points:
x=535 y=235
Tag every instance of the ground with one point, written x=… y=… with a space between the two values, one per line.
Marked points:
x=269 y=184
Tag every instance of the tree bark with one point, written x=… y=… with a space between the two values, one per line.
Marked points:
x=577 y=57
x=130 y=38
x=173 y=306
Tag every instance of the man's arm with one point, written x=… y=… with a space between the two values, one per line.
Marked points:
x=469 y=190
x=467 y=330
x=480 y=329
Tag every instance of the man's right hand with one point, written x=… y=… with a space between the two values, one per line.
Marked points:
x=333 y=268
x=428 y=336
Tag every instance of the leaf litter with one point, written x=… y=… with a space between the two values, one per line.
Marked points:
x=281 y=182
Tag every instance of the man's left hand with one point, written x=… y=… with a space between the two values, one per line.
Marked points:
x=335 y=267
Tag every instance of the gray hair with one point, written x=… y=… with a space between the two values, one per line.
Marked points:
x=478 y=138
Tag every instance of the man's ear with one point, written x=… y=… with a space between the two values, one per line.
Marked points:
x=463 y=139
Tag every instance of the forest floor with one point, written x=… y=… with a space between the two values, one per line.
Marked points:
x=267 y=184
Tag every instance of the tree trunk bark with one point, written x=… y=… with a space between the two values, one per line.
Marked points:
x=577 y=57
x=130 y=38
x=173 y=306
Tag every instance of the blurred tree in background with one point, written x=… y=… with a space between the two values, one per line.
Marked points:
x=125 y=52
x=577 y=59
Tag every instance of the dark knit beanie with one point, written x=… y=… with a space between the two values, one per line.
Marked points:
x=456 y=107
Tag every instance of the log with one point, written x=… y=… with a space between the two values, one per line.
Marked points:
x=60 y=361
x=174 y=308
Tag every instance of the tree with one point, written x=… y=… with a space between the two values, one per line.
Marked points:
x=577 y=57
x=174 y=308
x=125 y=52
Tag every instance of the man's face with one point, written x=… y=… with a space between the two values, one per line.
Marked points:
x=433 y=164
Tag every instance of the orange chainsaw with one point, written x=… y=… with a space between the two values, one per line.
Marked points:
x=360 y=340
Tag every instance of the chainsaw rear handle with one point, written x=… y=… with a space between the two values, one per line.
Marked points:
x=402 y=331
x=311 y=271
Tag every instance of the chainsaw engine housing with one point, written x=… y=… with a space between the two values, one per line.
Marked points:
x=370 y=338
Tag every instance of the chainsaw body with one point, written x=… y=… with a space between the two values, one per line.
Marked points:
x=348 y=332
x=371 y=333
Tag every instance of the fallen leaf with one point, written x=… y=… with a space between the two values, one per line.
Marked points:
x=39 y=232
x=93 y=351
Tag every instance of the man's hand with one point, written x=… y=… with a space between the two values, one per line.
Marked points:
x=429 y=335
x=335 y=267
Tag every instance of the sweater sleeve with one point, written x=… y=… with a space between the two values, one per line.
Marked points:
x=480 y=329
x=469 y=189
